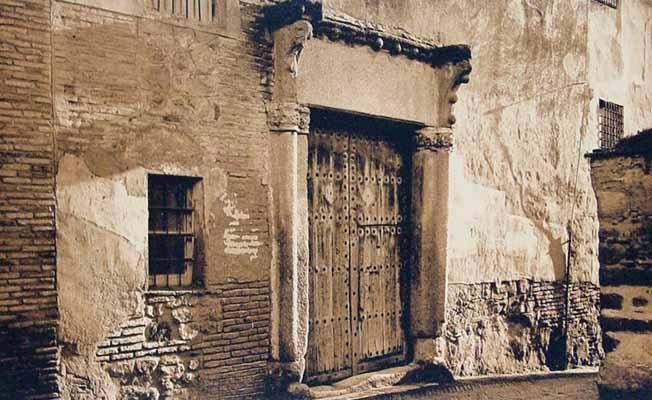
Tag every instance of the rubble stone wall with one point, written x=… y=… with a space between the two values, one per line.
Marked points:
x=520 y=326
x=28 y=301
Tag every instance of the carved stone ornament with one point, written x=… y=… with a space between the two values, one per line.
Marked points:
x=431 y=138
x=340 y=27
x=458 y=74
x=301 y=33
x=288 y=117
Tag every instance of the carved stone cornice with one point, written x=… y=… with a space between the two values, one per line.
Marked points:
x=352 y=31
x=288 y=117
x=434 y=138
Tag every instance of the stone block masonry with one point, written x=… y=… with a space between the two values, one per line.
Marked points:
x=28 y=302
x=622 y=179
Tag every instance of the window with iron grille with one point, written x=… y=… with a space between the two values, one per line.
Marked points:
x=611 y=123
x=172 y=231
x=610 y=3
x=197 y=10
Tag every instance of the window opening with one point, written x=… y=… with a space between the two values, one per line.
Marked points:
x=171 y=231
x=611 y=123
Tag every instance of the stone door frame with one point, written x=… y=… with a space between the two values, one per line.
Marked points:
x=292 y=24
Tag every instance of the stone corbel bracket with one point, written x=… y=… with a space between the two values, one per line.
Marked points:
x=456 y=74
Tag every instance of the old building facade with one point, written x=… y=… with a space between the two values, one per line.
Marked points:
x=215 y=199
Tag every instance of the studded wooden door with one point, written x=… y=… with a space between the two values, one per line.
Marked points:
x=358 y=202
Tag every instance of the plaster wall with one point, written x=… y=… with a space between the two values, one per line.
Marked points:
x=518 y=177
x=522 y=121
x=620 y=60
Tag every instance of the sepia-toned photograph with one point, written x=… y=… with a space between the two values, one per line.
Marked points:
x=326 y=199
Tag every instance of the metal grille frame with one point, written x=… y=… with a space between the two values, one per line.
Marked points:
x=611 y=123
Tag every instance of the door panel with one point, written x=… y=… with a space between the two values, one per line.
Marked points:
x=329 y=326
x=358 y=202
x=378 y=208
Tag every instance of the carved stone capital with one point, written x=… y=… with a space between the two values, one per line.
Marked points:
x=288 y=117
x=456 y=75
x=434 y=138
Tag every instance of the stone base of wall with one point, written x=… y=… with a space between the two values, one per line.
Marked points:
x=519 y=326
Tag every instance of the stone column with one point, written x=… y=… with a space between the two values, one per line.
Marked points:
x=288 y=122
x=430 y=230
x=289 y=160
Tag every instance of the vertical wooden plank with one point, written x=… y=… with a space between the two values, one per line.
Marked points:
x=328 y=347
x=311 y=355
x=341 y=299
x=354 y=211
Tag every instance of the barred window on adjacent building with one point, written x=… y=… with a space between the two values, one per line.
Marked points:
x=198 y=10
x=611 y=123
x=172 y=231
x=610 y=3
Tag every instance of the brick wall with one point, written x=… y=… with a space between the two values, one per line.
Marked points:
x=137 y=94
x=28 y=302
x=213 y=343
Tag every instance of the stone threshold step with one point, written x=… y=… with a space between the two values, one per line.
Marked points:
x=388 y=384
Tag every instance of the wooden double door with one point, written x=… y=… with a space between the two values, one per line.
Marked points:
x=358 y=196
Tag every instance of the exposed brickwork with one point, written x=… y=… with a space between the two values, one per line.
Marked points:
x=28 y=302
x=525 y=323
x=218 y=338
x=142 y=92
